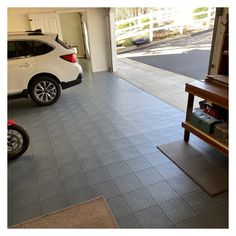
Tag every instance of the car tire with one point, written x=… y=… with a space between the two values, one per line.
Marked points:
x=44 y=90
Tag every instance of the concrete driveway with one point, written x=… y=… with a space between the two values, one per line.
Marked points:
x=188 y=56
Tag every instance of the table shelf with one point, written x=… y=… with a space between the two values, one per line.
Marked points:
x=215 y=93
x=207 y=138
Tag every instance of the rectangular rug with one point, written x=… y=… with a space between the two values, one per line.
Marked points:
x=94 y=213
x=206 y=173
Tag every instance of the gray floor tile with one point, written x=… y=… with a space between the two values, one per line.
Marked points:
x=23 y=198
x=48 y=175
x=74 y=182
x=65 y=158
x=108 y=189
x=110 y=158
x=62 y=148
x=153 y=217
x=128 y=221
x=108 y=128
x=102 y=120
x=106 y=109
x=138 y=163
x=195 y=222
x=168 y=170
x=118 y=206
x=21 y=167
x=98 y=139
x=177 y=210
x=216 y=217
x=104 y=148
x=98 y=175
x=88 y=126
x=50 y=189
x=93 y=132
x=114 y=135
x=162 y=191
x=58 y=141
x=77 y=144
x=183 y=184
x=80 y=195
x=130 y=132
x=128 y=183
x=23 y=182
x=138 y=139
x=200 y=201
x=146 y=148
x=24 y=214
x=149 y=176
x=54 y=204
x=118 y=169
x=156 y=158
x=72 y=168
x=44 y=164
x=152 y=135
x=139 y=199
x=121 y=143
x=90 y=163
x=85 y=152
x=42 y=153
x=129 y=153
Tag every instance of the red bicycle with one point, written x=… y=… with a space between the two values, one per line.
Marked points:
x=17 y=140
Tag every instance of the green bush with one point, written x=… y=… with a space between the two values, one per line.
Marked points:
x=144 y=20
x=127 y=42
x=146 y=26
x=125 y=25
x=155 y=25
x=200 y=9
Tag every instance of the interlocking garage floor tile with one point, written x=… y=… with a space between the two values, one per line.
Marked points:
x=128 y=183
x=128 y=221
x=100 y=138
x=139 y=199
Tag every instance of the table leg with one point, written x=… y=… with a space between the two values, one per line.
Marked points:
x=188 y=115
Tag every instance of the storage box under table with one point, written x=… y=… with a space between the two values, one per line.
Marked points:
x=203 y=121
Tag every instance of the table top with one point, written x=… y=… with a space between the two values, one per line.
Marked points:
x=212 y=92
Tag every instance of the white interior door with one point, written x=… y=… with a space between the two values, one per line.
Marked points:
x=48 y=23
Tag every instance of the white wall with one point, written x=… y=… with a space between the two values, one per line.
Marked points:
x=97 y=30
x=98 y=39
x=18 y=19
x=72 y=31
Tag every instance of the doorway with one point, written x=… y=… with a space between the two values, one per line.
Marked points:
x=70 y=26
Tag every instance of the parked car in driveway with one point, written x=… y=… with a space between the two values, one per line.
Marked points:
x=40 y=65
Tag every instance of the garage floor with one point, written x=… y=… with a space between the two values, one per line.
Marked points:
x=100 y=139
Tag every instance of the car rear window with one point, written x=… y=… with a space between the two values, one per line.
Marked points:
x=64 y=45
x=40 y=48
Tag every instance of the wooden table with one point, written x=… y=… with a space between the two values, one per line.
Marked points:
x=212 y=92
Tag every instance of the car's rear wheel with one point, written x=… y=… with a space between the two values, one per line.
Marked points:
x=44 y=90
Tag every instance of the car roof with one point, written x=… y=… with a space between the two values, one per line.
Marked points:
x=25 y=34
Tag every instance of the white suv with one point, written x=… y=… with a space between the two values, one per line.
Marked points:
x=40 y=65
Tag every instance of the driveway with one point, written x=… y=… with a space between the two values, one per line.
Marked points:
x=188 y=56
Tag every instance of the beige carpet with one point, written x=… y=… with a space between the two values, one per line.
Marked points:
x=206 y=173
x=94 y=213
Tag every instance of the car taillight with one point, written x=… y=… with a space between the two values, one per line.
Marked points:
x=69 y=57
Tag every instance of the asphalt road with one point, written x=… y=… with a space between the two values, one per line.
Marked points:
x=188 y=56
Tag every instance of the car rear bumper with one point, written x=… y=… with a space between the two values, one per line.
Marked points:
x=69 y=84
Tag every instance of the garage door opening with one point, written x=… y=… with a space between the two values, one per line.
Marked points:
x=161 y=49
x=173 y=39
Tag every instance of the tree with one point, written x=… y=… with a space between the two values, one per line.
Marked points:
x=124 y=13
